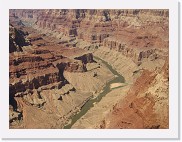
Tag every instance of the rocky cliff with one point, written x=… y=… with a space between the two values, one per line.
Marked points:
x=16 y=39
x=146 y=103
x=134 y=42
x=37 y=81
x=127 y=31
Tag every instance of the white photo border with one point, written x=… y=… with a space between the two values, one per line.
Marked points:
x=171 y=133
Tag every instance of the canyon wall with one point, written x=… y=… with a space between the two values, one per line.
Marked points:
x=146 y=104
x=16 y=39
x=38 y=85
x=127 y=31
x=134 y=42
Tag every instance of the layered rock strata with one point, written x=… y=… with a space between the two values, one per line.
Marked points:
x=146 y=104
x=134 y=42
x=38 y=85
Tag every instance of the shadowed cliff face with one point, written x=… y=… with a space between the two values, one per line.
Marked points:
x=37 y=79
x=16 y=39
x=47 y=74
x=130 y=32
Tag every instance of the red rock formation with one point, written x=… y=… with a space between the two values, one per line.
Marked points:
x=129 y=32
x=39 y=69
x=141 y=109
x=16 y=39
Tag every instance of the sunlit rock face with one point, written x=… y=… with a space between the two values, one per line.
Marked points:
x=50 y=73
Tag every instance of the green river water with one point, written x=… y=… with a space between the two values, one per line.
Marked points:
x=118 y=79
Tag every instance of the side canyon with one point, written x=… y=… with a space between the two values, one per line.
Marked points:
x=89 y=69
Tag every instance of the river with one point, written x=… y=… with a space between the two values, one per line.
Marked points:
x=118 y=79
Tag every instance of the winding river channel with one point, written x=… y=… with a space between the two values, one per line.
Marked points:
x=118 y=79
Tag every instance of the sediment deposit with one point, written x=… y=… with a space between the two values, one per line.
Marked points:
x=50 y=81
x=53 y=72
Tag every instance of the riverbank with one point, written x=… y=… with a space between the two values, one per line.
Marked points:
x=116 y=85
x=106 y=89
x=120 y=63
x=93 y=118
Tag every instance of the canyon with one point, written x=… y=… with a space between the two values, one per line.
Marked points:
x=92 y=69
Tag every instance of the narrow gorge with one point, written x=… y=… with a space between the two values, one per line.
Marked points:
x=91 y=69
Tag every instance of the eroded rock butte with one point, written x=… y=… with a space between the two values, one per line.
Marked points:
x=53 y=72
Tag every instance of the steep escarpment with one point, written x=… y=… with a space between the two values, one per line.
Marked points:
x=38 y=86
x=127 y=31
x=16 y=39
x=146 y=103
x=93 y=25
x=55 y=74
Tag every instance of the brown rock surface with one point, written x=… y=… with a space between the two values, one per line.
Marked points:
x=54 y=75
x=38 y=87
x=145 y=106
x=16 y=39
